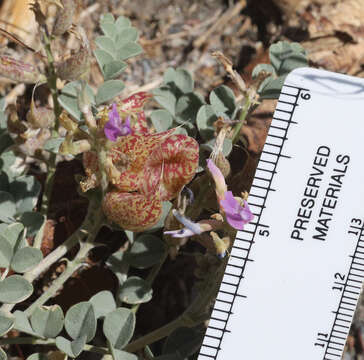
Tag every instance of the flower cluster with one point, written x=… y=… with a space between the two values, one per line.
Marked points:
x=143 y=168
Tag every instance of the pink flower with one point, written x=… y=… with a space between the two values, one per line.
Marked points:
x=115 y=127
x=219 y=179
x=236 y=215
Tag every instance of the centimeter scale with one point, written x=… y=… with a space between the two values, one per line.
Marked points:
x=295 y=272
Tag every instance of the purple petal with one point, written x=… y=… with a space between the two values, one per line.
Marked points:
x=230 y=204
x=181 y=233
x=236 y=215
x=126 y=128
x=218 y=178
x=114 y=127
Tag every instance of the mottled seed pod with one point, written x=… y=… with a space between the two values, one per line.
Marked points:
x=64 y=17
x=19 y=71
x=77 y=66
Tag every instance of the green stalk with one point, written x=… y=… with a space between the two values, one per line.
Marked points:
x=151 y=276
x=72 y=267
x=195 y=314
x=94 y=215
x=52 y=84
x=242 y=118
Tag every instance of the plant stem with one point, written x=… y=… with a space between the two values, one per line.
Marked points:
x=151 y=276
x=240 y=124
x=155 y=335
x=193 y=315
x=72 y=266
x=94 y=215
x=35 y=341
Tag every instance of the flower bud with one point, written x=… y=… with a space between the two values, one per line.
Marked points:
x=19 y=71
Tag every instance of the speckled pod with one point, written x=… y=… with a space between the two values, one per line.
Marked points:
x=19 y=71
x=132 y=211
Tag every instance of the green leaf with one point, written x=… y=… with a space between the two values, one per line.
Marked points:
x=7 y=321
x=126 y=35
x=15 y=289
x=122 y=22
x=222 y=100
x=109 y=29
x=123 y=355
x=80 y=320
x=103 y=303
x=25 y=190
x=22 y=323
x=169 y=76
x=118 y=266
x=183 y=80
x=14 y=234
x=129 y=50
x=32 y=221
x=71 y=348
x=53 y=144
x=25 y=259
x=102 y=58
x=47 y=321
x=13 y=166
x=187 y=108
x=105 y=43
x=135 y=291
x=68 y=98
x=271 y=88
x=165 y=97
x=107 y=18
x=146 y=251
x=108 y=90
x=183 y=341
x=285 y=57
x=205 y=119
x=119 y=327
x=268 y=68
x=38 y=356
x=161 y=119
x=6 y=252
x=113 y=69
x=7 y=207
x=3 y=356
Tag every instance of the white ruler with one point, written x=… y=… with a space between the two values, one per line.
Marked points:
x=294 y=276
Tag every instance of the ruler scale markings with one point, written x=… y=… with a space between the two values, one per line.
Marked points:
x=243 y=231
x=321 y=90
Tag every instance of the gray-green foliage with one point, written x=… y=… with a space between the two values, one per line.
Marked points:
x=47 y=321
x=182 y=106
x=118 y=43
x=7 y=321
x=14 y=251
x=284 y=57
x=119 y=327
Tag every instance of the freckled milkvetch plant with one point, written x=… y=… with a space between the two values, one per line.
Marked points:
x=146 y=175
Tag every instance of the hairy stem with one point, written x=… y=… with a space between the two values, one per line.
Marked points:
x=151 y=277
x=94 y=215
x=194 y=314
x=242 y=118
x=72 y=266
